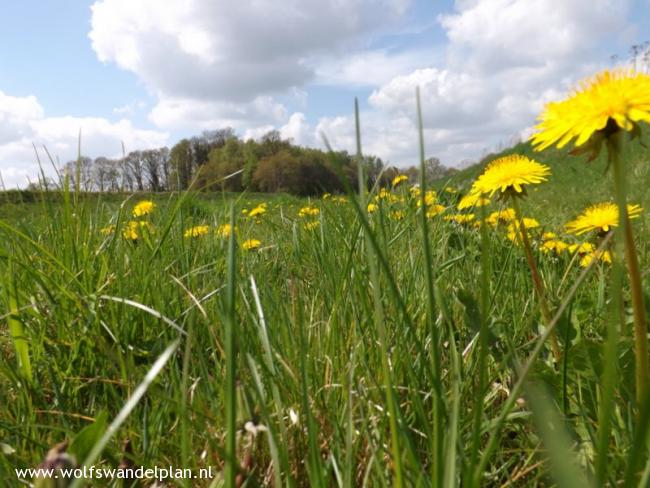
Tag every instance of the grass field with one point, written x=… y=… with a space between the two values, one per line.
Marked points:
x=343 y=351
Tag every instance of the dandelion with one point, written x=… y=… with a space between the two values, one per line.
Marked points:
x=196 y=231
x=399 y=179
x=618 y=98
x=509 y=175
x=430 y=197
x=143 y=207
x=582 y=248
x=602 y=256
x=556 y=246
x=250 y=244
x=224 y=230
x=434 y=210
x=308 y=211
x=372 y=207
x=504 y=216
x=397 y=215
x=602 y=111
x=600 y=217
x=460 y=218
x=257 y=211
x=472 y=200
x=132 y=230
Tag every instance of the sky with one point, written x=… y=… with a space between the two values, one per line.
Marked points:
x=146 y=73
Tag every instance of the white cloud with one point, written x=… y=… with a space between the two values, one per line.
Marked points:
x=230 y=49
x=226 y=62
x=505 y=59
x=23 y=125
x=193 y=114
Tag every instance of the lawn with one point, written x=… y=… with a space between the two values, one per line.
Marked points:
x=342 y=349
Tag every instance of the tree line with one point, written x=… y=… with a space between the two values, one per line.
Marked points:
x=220 y=160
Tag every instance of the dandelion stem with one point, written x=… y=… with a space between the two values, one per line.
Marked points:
x=537 y=280
x=615 y=143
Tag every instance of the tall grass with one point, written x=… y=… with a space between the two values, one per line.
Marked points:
x=369 y=351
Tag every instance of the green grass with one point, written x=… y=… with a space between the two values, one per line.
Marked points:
x=366 y=352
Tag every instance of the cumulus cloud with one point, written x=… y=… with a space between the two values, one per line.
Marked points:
x=228 y=52
x=23 y=125
x=229 y=62
x=505 y=60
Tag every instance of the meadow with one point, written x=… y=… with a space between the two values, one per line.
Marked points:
x=345 y=340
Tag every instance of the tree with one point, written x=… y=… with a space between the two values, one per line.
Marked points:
x=180 y=161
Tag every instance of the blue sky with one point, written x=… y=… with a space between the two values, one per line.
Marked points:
x=147 y=73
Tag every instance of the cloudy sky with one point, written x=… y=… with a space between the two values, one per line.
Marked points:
x=149 y=72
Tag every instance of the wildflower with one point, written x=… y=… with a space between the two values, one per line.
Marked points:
x=196 y=231
x=600 y=217
x=501 y=217
x=460 y=218
x=385 y=194
x=472 y=200
x=509 y=175
x=143 y=207
x=250 y=244
x=554 y=246
x=397 y=215
x=582 y=248
x=339 y=200
x=434 y=210
x=257 y=211
x=619 y=97
x=430 y=197
x=602 y=256
x=133 y=228
x=372 y=207
x=399 y=179
x=224 y=230
x=311 y=225
x=308 y=211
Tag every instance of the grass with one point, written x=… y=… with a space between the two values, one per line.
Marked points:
x=369 y=351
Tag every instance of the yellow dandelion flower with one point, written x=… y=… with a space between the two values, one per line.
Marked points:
x=554 y=246
x=582 y=248
x=600 y=217
x=257 y=211
x=224 y=230
x=472 y=200
x=250 y=244
x=430 y=197
x=339 y=200
x=397 y=215
x=143 y=207
x=399 y=179
x=460 y=218
x=621 y=96
x=602 y=256
x=372 y=207
x=131 y=231
x=501 y=217
x=510 y=174
x=196 y=231
x=311 y=225
x=308 y=211
x=434 y=210
x=547 y=236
